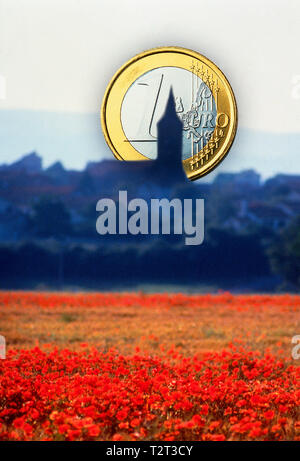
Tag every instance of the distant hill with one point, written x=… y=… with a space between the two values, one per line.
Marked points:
x=75 y=139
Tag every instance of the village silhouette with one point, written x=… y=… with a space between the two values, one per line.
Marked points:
x=48 y=234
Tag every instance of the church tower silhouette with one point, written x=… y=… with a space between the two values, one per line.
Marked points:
x=168 y=165
x=162 y=174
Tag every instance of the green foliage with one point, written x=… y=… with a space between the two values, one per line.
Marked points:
x=284 y=254
x=51 y=218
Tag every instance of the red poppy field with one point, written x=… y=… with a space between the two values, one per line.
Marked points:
x=149 y=367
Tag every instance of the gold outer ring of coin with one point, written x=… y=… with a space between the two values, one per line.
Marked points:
x=209 y=157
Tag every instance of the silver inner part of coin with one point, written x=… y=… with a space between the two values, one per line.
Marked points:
x=145 y=102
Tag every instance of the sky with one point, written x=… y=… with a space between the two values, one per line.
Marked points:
x=57 y=57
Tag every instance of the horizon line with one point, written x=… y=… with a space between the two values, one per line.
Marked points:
x=97 y=113
x=205 y=179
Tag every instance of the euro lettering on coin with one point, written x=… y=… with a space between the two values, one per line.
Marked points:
x=136 y=98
